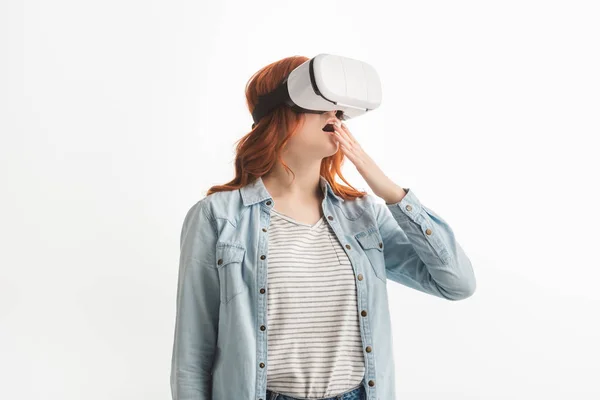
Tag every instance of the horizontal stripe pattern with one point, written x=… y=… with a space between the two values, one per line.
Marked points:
x=314 y=345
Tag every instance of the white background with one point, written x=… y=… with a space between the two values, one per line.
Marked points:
x=117 y=116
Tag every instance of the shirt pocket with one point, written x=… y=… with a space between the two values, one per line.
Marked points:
x=372 y=244
x=230 y=260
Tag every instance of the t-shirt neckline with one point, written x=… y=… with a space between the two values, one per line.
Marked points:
x=290 y=219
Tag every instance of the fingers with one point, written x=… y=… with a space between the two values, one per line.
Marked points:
x=341 y=136
x=344 y=135
x=347 y=147
x=345 y=128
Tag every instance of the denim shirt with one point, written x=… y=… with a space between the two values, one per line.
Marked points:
x=220 y=340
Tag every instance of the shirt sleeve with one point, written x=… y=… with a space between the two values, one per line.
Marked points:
x=197 y=310
x=421 y=251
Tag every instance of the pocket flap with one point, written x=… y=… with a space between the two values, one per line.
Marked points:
x=228 y=253
x=370 y=239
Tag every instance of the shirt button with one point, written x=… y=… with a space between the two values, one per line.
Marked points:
x=264 y=229
x=269 y=202
x=360 y=277
x=262 y=290
x=262 y=328
x=371 y=382
x=220 y=261
x=262 y=365
x=363 y=313
x=380 y=245
x=263 y=257
x=428 y=231
x=409 y=207
x=330 y=218
x=348 y=247
x=368 y=349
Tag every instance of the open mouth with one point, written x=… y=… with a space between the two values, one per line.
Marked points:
x=328 y=128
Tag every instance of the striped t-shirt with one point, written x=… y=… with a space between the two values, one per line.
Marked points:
x=314 y=345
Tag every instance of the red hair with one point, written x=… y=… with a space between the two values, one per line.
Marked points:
x=259 y=150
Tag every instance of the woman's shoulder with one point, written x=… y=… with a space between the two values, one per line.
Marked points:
x=218 y=204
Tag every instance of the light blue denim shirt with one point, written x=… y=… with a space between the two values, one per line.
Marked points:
x=220 y=341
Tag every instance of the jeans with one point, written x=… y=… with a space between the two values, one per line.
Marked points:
x=357 y=393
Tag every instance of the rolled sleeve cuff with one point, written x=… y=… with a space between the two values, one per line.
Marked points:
x=407 y=208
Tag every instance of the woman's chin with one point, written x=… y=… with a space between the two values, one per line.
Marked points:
x=333 y=147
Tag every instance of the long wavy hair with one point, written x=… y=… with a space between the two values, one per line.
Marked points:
x=259 y=150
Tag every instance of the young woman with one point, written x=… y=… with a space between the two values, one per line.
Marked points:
x=282 y=280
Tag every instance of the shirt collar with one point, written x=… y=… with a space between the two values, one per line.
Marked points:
x=256 y=191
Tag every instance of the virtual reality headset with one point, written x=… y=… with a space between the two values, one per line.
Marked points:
x=324 y=83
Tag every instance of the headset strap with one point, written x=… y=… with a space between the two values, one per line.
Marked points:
x=267 y=102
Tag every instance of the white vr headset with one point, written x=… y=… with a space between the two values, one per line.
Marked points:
x=325 y=82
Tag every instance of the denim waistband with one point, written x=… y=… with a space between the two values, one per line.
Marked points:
x=357 y=393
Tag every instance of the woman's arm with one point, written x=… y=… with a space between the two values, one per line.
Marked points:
x=420 y=250
x=197 y=318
